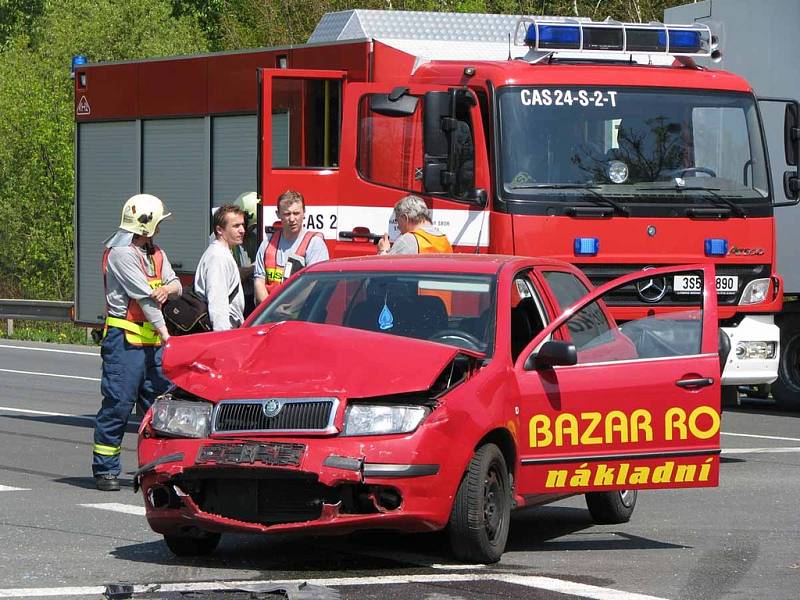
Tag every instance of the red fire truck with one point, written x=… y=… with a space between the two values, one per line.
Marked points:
x=599 y=143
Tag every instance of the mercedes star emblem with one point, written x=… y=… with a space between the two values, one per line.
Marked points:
x=652 y=289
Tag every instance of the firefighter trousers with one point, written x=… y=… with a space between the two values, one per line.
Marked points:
x=131 y=374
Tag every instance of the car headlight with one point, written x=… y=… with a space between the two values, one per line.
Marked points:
x=181 y=418
x=376 y=419
x=755 y=291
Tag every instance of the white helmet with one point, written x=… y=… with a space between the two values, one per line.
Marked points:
x=141 y=214
x=248 y=202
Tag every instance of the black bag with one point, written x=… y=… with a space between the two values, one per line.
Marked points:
x=186 y=314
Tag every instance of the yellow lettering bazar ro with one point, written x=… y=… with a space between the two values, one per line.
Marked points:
x=593 y=428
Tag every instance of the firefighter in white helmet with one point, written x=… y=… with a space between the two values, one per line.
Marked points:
x=138 y=279
x=248 y=202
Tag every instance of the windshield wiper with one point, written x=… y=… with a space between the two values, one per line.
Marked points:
x=713 y=193
x=597 y=197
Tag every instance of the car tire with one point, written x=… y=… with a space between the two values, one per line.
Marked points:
x=786 y=389
x=201 y=544
x=611 y=507
x=481 y=513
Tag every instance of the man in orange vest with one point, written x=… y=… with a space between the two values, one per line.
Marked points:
x=291 y=244
x=138 y=279
x=418 y=235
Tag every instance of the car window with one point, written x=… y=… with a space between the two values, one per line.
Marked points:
x=527 y=318
x=566 y=287
x=677 y=333
x=452 y=309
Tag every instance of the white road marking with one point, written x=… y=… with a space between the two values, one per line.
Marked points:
x=547 y=583
x=28 y=411
x=50 y=350
x=49 y=375
x=760 y=450
x=9 y=488
x=762 y=437
x=118 y=507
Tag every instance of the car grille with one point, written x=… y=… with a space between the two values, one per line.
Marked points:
x=599 y=274
x=294 y=415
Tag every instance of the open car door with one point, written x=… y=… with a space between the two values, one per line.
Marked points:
x=608 y=407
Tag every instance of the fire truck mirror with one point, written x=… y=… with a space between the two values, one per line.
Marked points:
x=396 y=104
x=478 y=197
x=791 y=134
x=434 y=176
x=437 y=108
x=791 y=185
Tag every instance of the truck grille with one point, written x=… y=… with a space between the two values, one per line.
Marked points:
x=275 y=414
x=599 y=274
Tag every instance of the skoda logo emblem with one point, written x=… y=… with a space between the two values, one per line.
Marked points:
x=271 y=408
x=652 y=289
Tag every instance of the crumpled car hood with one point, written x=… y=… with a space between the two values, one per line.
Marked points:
x=294 y=358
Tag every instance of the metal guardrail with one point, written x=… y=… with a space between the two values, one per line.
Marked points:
x=33 y=310
x=36 y=310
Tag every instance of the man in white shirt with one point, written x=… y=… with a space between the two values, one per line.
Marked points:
x=217 y=277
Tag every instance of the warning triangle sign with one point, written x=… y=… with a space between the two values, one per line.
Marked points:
x=83 y=107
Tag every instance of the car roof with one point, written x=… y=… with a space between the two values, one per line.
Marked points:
x=437 y=263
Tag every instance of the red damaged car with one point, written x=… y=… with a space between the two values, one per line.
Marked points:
x=427 y=392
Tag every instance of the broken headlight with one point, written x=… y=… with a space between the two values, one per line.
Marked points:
x=181 y=418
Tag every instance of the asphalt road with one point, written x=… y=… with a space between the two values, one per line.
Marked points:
x=61 y=538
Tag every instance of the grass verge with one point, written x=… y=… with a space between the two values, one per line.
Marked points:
x=45 y=331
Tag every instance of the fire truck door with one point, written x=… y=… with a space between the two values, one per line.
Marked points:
x=299 y=138
x=395 y=143
x=610 y=407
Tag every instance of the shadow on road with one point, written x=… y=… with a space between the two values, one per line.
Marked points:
x=544 y=529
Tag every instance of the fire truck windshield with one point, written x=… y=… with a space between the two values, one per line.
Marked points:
x=638 y=146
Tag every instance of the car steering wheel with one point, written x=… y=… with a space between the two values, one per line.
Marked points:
x=690 y=171
x=444 y=334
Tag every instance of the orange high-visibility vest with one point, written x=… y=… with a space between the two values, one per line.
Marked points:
x=431 y=243
x=138 y=330
x=273 y=274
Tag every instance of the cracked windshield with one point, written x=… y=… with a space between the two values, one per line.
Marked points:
x=637 y=145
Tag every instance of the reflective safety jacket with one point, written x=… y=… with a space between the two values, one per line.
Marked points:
x=273 y=274
x=138 y=330
x=430 y=243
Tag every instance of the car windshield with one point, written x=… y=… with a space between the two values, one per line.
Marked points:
x=457 y=310
x=630 y=144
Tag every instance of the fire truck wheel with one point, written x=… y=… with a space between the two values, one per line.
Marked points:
x=730 y=396
x=611 y=507
x=786 y=390
x=201 y=544
x=479 y=520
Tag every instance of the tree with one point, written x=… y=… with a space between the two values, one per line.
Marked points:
x=37 y=124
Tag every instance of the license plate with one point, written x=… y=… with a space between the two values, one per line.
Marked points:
x=692 y=284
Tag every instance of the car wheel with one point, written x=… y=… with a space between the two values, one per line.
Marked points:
x=786 y=390
x=479 y=520
x=201 y=544
x=611 y=507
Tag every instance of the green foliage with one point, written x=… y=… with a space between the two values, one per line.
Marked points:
x=42 y=331
x=37 y=125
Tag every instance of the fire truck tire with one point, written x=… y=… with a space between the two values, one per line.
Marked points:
x=786 y=390
x=481 y=513
x=201 y=544
x=730 y=396
x=611 y=507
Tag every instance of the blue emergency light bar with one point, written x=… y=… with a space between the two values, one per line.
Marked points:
x=586 y=246
x=716 y=247
x=608 y=36
x=78 y=61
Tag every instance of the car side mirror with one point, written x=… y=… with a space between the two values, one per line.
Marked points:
x=553 y=353
x=478 y=197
